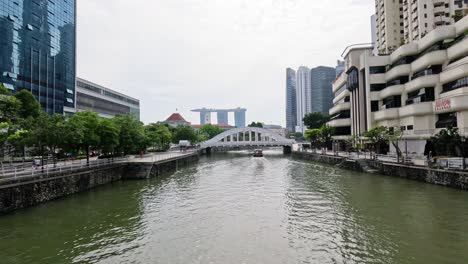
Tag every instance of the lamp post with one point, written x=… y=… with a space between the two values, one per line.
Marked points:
x=463 y=152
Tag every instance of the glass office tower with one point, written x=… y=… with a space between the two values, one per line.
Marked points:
x=37 y=50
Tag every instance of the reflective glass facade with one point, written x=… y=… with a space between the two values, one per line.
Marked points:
x=38 y=48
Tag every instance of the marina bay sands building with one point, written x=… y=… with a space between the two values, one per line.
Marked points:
x=222 y=115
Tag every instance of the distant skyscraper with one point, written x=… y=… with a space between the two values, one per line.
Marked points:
x=291 y=109
x=37 y=51
x=321 y=79
x=340 y=67
x=303 y=96
x=239 y=116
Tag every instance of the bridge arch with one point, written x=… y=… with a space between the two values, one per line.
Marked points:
x=248 y=136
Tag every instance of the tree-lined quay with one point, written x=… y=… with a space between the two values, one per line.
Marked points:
x=26 y=130
x=381 y=140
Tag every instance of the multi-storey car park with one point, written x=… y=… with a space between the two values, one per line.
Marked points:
x=422 y=87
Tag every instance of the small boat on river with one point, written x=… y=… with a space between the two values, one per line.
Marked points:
x=258 y=153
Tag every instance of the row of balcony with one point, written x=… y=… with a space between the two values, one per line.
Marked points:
x=434 y=36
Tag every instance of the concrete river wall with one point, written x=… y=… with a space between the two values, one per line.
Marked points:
x=449 y=178
x=18 y=193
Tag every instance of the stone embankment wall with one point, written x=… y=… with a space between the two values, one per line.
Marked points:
x=26 y=192
x=449 y=178
x=331 y=160
x=144 y=170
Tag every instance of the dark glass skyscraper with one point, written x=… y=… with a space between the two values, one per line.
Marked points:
x=291 y=109
x=37 y=50
x=321 y=79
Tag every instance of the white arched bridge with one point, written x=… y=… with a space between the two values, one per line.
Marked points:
x=247 y=138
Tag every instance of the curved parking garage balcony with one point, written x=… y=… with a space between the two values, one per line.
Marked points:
x=341 y=96
x=461 y=26
x=424 y=108
x=437 y=57
x=339 y=82
x=392 y=90
x=344 y=122
x=387 y=114
x=421 y=82
x=404 y=51
x=458 y=50
x=340 y=107
x=454 y=77
x=436 y=35
x=398 y=71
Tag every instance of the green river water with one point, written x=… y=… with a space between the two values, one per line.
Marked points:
x=233 y=208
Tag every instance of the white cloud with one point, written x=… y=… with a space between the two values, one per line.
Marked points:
x=212 y=53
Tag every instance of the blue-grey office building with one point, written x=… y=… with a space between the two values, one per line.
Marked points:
x=321 y=79
x=291 y=109
x=38 y=50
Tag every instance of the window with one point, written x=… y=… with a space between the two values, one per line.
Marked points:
x=447 y=120
x=410 y=127
x=463 y=82
x=69 y=100
x=392 y=102
x=420 y=96
x=377 y=87
x=434 y=69
x=374 y=106
x=376 y=69
x=398 y=81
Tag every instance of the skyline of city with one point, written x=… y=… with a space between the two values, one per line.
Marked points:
x=202 y=55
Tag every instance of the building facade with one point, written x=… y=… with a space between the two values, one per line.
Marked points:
x=38 y=51
x=222 y=115
x=303 y=96
x=291 y=109
x=175 y=120
x=405 y=21
x=321 y=79
x=421 y=88
x=340 y=67
x=104 y=101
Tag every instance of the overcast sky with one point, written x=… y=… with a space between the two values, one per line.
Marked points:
x=186 y=54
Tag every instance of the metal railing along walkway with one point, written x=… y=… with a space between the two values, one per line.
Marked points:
x=22 y=172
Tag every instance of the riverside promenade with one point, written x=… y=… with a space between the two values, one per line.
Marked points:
x=26 y=186
x=386 y=165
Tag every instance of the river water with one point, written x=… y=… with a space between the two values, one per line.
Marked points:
x=233 y=208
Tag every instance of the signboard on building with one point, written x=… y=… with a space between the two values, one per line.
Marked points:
x=443 y=104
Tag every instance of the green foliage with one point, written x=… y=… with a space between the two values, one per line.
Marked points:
x=184 y=133
x=315 y=120
x=132 y=137
x=30 y=107
x=108 y=134
x=313 y=135
x=320 y=136
x=298 y=136
x=19 y=140
x=256 y=124
x=9 y=108
x=447 y=142
x=159 y=136
x=4 y=90
x=209 y=131
x=377 y=136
